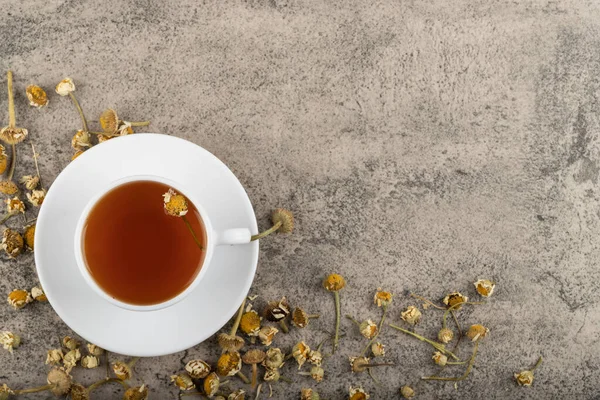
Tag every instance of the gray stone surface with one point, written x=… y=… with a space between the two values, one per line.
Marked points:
x=421 y=144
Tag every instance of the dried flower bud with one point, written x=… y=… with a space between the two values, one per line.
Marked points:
x=237 y=395
x=109 y=121
x=3 y=159
x=89 y=361
x=382 y=298
x=94 y=350
x=309 y=394
x=407 y=392
x=36 y=197
x=477 y=332
x=197 y=369
x=19 y=298
x=5 y=392
x=485 y=287
x=276 y=311
x=80 y=140
x=8 y=187
x=70 y=343
x=183 y=381
x=136 y=393
x=54 y=356
x=229 y=363
x=315 y=357
x=9 y=340
x=300 y=353
x=37 y=96
x=378 y=349
x=445 y=335
x=334 y=283
x=359 y=364
x=524 y=378
x=455 y=298
x=439 y=358
x=104 y=138
x=211 y=384
x=29 y=236
x=13 y=135
x=79 y=392
x=12 y=242
x=272 y=375
x=358 y=394
x=124 y=128
x=65 y=87
x=266 y=334
x=121 y=370
x=411 y=315
x=77 y=153
x=368 y=329
x=61 y=381
x=274 y=358
x=250 y=323
x=230 y=342
x=14 y=206
x=285 y=217
x=70 y=359
x=317 y=373
x=30 y=181
x=175 y=204
x=300 y=318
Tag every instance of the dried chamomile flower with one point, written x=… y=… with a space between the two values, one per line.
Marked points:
x=65 y=87
x=29 y=236
x=30 y=181
x=359 y=364
x=54 y=356
x=183 y=381
x=301 y=318
x=13 y=135
x=109 y=121
x=250 y=323
x=197 y=369
x=439 y=358
x=89 y=361
x=175 y=204
x=38 y=294
x=61 y=381
x=136 y=393
x=70 y=359
x=309 y=394
x=368 y=329
x=300 y=353
x=276 y=311
x=12 y=242
x=229 y=363
x=254 y=357
x=79 y=392
x=9 y=340
x=3 y=159
x=274 y=358
x=285 y=217
x=80 y=140
x=317 y=373
x=266 y=334
x=271 y=375
x=382 y=298
x=8 y=187
x=94 y=350
x=14 y=206
x=36 y=197
x=70 y=343
x=76 y=154
x=358 y=394
x=239 y=394
x=525 y=378
x=455 y=298
x=485 y=287
x=37 y=96
x=211 y=384
x=334 y=283
x=124 y=128
x=19 y=298
x=477 y=332
x=378 y=349
x=445 y=335
x=315 y=357
x=230 y=342
x=121 y=370
x=5 y=392
x=407 y=392
x=411 y=315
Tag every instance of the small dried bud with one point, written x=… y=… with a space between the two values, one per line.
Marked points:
x=8 y=187
x=439 y=358
x=334 y=283
x=524 y=378
x=317 y=373
x=254 y=356
x=378 y=349
x=9 y=340
x=382 y=298
x=237 y=395
x=411 y=315
x=276 y=311
x=54 y=356
x=300 y=353
x=36 y=197
x=13 y=135
x=455 y=298
x=121 y=370
x=300 y=318
x=136 y=393
x=477 y=332
x=61 y=381
x=407 y=392
x=250 y=323
x=29 y=236
x=65 y=87
x=266 y=334
x=445 y=335
x=309 y=394
x=485 y=287
x=70 y=359
x=315 y=357
x=359 y=364
x=3 y=159
x=272 y=375
x=94 y=350
x=5 y=392
x=80 y=140
x=19 y=298
x=358 y=394
x=109 y=121
x=197 y=369
x=175 y=204
x=124 y=128
x=12 y=242
x=286 y=218
x=89 y=361
x=230 y=342
x=70 y=343
x=274 y=358
x=183 y=381
x=229 y=363
x=211 y=384
x=79 y=392
x=14 y=206
x=368 y=329
x=37 y=96
x=30 y=181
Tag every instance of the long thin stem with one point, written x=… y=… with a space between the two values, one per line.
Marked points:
x=338 y=314
x=537 y=364
x=13 y=162
x=267 y=232
x=80 y=111
x=238 y=319
x=37 y=168
x=459 y=378
x=438 y=346
x=139 y=123
x=427 y=301
x=370 y=372
x=243 y=377
x=12 y=120
x=378 y=332
x=6 y=217
x=107 y=365
x=132 y=362
x=35 y=390
x=258 y=391
x=285 y=379
x=184 y=218
x=103 y=381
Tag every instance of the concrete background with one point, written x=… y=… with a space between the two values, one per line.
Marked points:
x=421 y=144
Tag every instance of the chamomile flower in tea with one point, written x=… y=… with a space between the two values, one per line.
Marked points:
x=12 y=242
x=30 y=181
x=175 y=204
x=37 y=96
x=36 y=197
x=9 y=340
x=485 y=287
x=19 y=298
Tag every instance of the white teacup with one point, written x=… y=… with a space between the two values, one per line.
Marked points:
x=213 y=238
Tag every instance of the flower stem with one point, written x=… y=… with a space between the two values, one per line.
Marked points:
x=37 y=389
x=353 y=320
x=13 y=162
x=243 y=377
x=12 y=120
x=139 y=123
x=438 y=346
x=184 y=218
x=537 y=364
x=132 y=362
x=80 y=111
x=284 y=326
x=103 y=381
x=378 y=332
x=338 y=315
x=267 y=232
x=238 y=319
x=6 y=217
x=459 y=378
x=427 y=301
x=107 y=365
x=37 y=168
x=285 y=379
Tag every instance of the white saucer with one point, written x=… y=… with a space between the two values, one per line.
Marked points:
x=184 y=324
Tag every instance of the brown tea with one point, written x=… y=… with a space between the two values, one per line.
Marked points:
x=136 y=252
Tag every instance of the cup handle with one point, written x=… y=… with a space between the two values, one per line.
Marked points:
x=233 y=236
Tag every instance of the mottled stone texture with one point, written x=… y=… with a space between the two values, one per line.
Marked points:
x=421 y=144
